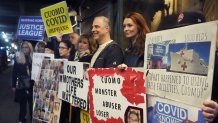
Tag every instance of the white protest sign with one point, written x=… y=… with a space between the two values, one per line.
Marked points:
x=180 y=63
x=73 y=85
x=37 y=64
x=117 y=97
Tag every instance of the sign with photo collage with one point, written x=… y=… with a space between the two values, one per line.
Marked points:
x=47 y=105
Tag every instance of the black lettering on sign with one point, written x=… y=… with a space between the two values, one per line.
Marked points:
x=54 y=12
x=100 y=113
x=81 y=103
x=65 y=96
x=110 y=80
x=71 y=69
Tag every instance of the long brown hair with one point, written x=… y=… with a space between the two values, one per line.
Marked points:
x=138 y=19
x=91 y=41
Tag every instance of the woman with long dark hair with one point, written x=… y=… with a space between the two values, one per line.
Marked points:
x=135 y=30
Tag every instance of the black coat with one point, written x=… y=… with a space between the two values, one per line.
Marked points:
x=111 y=56
x=19 y=70
x=133 y=60
x=215 y=83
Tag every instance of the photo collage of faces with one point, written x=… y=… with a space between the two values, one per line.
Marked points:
x=47 y=105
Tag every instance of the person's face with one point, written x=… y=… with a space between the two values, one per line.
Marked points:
x=74 y=38
x=47 y=50
x=25 y=49
x=41 y=49
x=129 y=28
x=83 y=45
x=133 y=118
x=64 y=50
x=99 y=29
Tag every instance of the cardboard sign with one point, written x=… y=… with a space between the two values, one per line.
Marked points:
x=56 y=19
x=167 y=111
x=84 y=116
x=185 y=71
x=117 y=97
x=47 y=105
x=37 y=64
x=73 y=84
x=30 y=28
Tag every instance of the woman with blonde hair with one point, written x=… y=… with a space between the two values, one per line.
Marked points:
x=86 y=48
x=21 y=83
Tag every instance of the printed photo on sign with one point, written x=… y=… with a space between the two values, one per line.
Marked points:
x=37 y=64
x=133 y=115
x=117 y=96
x=181 y=66
x=189 y=57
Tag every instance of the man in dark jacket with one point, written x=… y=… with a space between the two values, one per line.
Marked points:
x=109 y=54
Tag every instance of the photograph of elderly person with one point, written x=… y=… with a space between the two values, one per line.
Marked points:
x=22 y=67
x=86 y=48
x=133 y=117
x=135 y=29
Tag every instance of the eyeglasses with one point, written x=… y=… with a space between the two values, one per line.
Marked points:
x=62 y=48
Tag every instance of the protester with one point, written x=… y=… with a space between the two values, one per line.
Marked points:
x=49 y=47
x=23 y=88
x=73 y=37
x=65 y=50
x=40 y=47
x=135 y=30
x=108 y=54
x=86 y=48
x=65 y=47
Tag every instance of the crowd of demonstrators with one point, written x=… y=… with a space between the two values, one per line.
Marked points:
x=21 y=83
x=100 y=51
x=108 y=54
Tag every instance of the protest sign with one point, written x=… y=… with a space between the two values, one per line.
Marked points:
x=30 y=28
x=37 y=64
x=84 y=116
x=47 y=105
x=117 y=97
x=167 y=111
x=180 y=63
x=73 y=84
x=56 y=19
